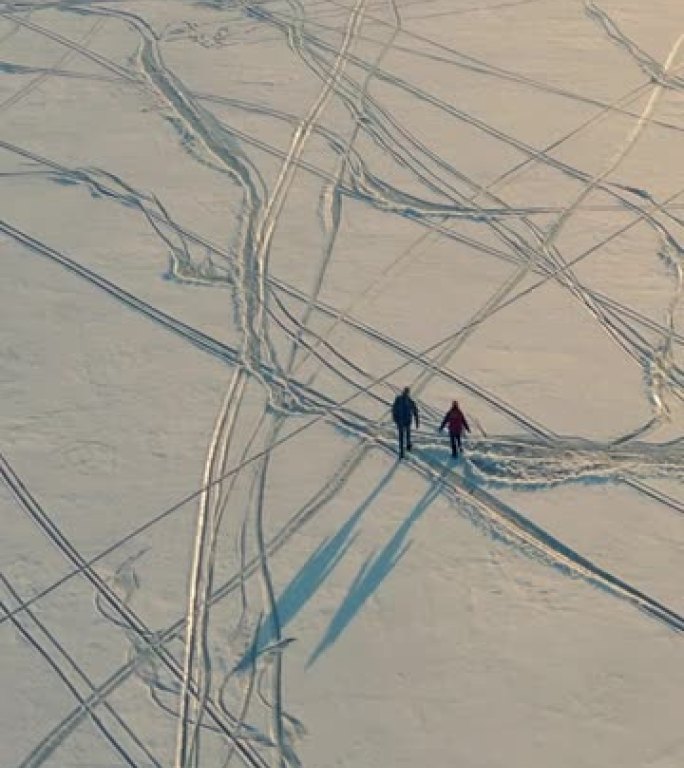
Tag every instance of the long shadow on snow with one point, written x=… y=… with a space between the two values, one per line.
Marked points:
x=311 y=576
x=372 y=573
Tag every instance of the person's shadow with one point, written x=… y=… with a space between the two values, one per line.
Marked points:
x=310 y=577
x=372 y=573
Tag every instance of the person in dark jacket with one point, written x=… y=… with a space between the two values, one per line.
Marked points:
x=456 y=422
x=404 y=410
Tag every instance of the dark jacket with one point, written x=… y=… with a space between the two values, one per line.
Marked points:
x=456 y=421
x=403 y=409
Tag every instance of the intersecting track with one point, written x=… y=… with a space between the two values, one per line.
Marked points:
x=230 y=357
x=126 y=614
x=52 y=651
x=263 y=307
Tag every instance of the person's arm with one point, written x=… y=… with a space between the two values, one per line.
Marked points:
x=414 y=407
x=465 y=424
x=444 y=421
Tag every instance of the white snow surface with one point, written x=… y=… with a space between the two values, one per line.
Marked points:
x=230 y=232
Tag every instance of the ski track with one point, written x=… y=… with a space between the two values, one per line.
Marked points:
x=642 y=359
x=330 y=200
x=270 y=604
x=544 y=250
x=653 y=69
x=197 y=665
x=469 y=63
x=43 y=75
x=158 y=218
x=157 y=640
x=206 y=343
x=53 y=660
x=538 y=459
x=32 y=508
x=96 y=58
x=226 y=356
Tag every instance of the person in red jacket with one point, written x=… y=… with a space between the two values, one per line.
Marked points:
x=456 y=421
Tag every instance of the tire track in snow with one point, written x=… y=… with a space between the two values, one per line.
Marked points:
x=156 y=68
x=249 y=688
x=316 y=401
x=222 y=591
x=423 y=148
x=377 y=121
x=197 y=338
x=8 y=68
x=366 y=181
x=653 y=365
x=662 y=363
x=232 y=584
x=159 y=217
x=555 y=229
x=147 y=213
x=220 y=505
x=14 y=28
x=220 y=146
x=528 y=537
x=246 y=699
x=255 y=13
x=626 y=98
x=400 y=83
x=655 y=494
x=609 y=327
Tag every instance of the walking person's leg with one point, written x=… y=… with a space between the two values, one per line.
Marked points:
x=408 y=437
x=452 y=439
x=400 y=430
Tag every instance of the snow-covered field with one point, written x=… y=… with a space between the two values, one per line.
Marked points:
x=230 y=232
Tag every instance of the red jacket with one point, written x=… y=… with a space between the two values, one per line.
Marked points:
x=456 y=421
